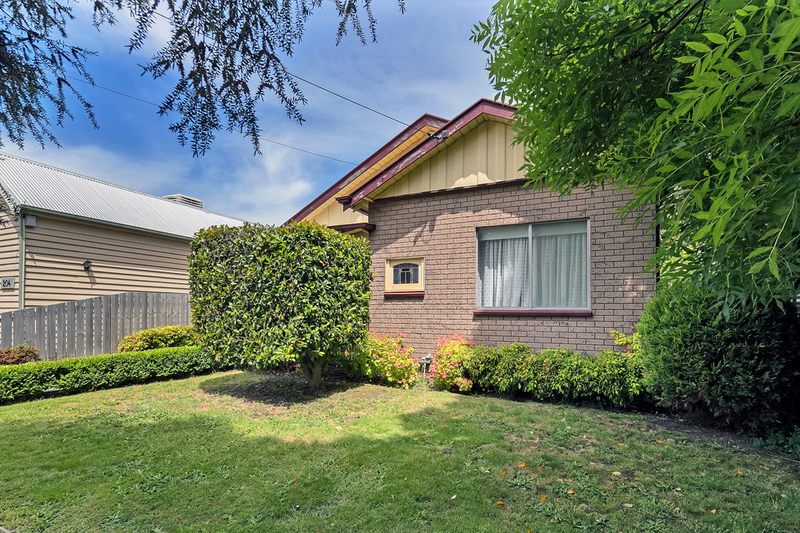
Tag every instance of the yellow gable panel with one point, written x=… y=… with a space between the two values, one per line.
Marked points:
x=483 y=155
x=334 y=215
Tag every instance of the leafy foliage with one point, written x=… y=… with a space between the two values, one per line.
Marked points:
x=82 y=374
x=225 y=54
x=266 y=295
x=608 y=378
x=447 y=368
x=690 y=104
x=19 y=355
x=166 y=337
x=386 y=359
x=743 y=373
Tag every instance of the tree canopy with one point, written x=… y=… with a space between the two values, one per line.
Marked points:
x=226 y=55
x=693 y=105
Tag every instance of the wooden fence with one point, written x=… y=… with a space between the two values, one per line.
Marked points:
x=91 y=327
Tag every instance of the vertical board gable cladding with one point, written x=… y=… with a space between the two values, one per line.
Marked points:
x=482 y=156
x=121 y=261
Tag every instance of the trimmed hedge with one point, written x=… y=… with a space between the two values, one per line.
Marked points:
x=83 y=374
x=608 y=378
x=166 y=337
x=264 y=296
x=743 y=373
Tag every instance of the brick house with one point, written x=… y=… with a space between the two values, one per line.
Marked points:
x=460 y=245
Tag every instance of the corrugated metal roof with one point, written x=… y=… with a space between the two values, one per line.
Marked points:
x=33 y=185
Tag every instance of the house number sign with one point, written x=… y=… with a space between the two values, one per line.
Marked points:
x=7 y=283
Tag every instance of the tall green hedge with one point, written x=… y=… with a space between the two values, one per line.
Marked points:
x=743 y=373
x=266 y=295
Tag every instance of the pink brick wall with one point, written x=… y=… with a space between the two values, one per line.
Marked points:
x=441 y=228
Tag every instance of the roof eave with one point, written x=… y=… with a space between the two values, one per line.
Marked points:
x=104 y=223
x=425 y=120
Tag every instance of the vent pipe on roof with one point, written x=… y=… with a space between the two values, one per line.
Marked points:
x=185 y=200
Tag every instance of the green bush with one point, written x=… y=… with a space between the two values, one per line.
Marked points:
x=262 y=296
x=447 y=368
x=19 y=355
x=166 y=337
x=608 y=378
x=743 y=373
x=82 y=374
x=387 y=360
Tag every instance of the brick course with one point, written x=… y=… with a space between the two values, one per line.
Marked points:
x=441 y=228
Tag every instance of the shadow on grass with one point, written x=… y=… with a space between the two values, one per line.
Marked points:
x=277 y=389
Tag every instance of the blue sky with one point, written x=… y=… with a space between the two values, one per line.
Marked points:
x=423 y=62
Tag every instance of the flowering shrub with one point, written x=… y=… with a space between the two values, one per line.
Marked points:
x=632 y=342
x=447 y=368
x=386 y=359
x=19 y=355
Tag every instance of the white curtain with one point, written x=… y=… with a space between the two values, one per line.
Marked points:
x=503 y=279
x=560 y=275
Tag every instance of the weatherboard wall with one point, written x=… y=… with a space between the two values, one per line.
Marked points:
x=122 y=261
x=9 y=258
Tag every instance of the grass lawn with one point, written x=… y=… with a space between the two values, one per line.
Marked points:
x=244 y=452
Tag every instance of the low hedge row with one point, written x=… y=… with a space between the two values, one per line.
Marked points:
x=608 y=378
x=82 y=374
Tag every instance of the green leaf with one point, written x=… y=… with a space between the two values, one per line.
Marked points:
x=687 y=59
x=698 y=47
x=715 y=38
x=663 y=104
x=730 y=66
x=759 y=251
x=773 y=267
x=758 y=267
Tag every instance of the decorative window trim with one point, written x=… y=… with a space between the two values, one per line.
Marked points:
x=399 y=288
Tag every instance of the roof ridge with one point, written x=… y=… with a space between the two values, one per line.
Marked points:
x=95 y=180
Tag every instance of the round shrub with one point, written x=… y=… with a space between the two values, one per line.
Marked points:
x=166 y=337
x=19 y=355
x=447 y=368
x=740 y=373
x=387 y=360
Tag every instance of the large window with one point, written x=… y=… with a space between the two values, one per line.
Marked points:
x=534 y=266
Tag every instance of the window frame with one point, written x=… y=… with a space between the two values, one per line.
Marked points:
x=531 y=310
x=390 y=287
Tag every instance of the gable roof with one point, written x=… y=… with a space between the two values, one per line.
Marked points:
x=446 y=135
x=426 y=124
x=37 y=188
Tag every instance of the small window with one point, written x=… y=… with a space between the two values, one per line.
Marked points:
x=405 y=275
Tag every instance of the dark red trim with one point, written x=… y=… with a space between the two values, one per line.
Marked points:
x=481 y=107
x=344 y=228
x=530 y=312
x=444 y=191
x=400 y=138
x=420 y=294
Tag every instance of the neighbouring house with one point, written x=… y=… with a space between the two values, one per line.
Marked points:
x=68 y=237
x=461 y=245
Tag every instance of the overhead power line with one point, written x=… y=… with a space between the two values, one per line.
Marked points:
x=118 y=93
x=334 y=93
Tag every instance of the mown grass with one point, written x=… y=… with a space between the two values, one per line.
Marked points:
x=246 y=452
